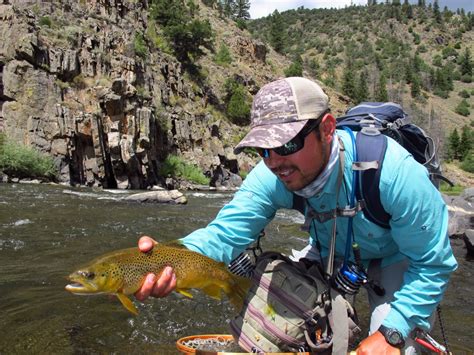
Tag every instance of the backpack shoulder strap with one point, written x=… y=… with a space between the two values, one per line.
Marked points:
x=298 y=203
x=371 y=147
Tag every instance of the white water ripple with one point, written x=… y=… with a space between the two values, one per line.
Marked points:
x=13 y=244
x=22 y=222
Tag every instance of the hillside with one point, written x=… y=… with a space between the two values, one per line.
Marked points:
x=110 y=90
x=414 y=53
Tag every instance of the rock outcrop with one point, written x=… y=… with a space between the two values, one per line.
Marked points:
x=72 y=86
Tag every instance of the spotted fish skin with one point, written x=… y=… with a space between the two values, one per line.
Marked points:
x=122 y=273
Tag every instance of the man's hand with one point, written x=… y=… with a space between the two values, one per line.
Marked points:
x=155 y=286
x=376 y=344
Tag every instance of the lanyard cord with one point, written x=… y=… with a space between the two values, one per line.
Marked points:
x=350 y=233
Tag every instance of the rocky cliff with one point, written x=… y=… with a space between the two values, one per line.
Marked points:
x=73 y=86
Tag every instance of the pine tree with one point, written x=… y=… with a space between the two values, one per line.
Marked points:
x=466 y=63
x=436 y=12
x=187 y=35
x=348 y=80
x=314 y=67
x=277 y=28
x=415 y=87
x=454 y=142
x=362 y=88
x=242 y=9
x=381 y=93
x=465 y=144
x=409 y=72
x=227 y=6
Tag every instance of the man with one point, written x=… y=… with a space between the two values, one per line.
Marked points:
x=296 y=135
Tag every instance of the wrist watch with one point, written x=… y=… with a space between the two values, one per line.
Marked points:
x=392 y=336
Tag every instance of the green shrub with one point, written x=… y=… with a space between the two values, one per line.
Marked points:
x=468 y=163
x=45 y=21
x=464 y=94
x=463 y=108
x=79 y=82
x=238 y=108
x=441 y=93
x=223 y=56
x=24 y=162
x=176 y=167
x=295 y=69
x=139 y=45
x=466 y=78
x=455 y=190
x=241 y=23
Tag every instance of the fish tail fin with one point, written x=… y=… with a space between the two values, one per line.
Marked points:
x=238 y=290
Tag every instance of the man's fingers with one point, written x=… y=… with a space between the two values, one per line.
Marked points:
x=144 y=292
x=146 y=243
x=165 y=284
x=157 y=287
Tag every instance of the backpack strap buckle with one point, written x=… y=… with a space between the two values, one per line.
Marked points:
x=365 y=165
x=325 y=216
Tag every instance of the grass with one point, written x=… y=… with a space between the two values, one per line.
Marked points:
x=20 y=161
x=175 y=166
x=455 y=190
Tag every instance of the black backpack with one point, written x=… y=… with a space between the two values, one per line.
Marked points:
x=375 y=121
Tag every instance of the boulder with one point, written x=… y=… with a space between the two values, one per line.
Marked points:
x=469 y=241
x=171 y=196
x=461 y=213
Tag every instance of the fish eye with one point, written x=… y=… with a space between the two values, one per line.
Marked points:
x=88 y=275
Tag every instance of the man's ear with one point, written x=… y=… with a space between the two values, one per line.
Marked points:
x=327 y=127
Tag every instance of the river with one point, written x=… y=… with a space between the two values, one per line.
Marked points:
x=46 y=231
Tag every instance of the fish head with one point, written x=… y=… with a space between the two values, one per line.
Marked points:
x=93 y=279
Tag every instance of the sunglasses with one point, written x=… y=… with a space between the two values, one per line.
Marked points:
x=293 y=146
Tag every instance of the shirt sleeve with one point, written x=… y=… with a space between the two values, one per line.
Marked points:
x=238 y=223
x=419 y=227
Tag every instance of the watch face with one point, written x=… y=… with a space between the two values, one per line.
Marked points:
x=395 y=337
x=392 y=336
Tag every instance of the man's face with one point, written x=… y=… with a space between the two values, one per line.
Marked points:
x=301 y=168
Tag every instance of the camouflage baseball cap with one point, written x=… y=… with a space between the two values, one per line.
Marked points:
x=280 y=110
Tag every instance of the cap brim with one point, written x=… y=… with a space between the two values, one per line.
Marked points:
x=270 y=136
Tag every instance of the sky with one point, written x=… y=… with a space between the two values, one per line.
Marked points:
x=261 y=8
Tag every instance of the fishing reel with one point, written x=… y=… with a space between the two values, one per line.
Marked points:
x=349 y=278
x=244 y=264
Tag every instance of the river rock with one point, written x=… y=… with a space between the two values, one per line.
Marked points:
x=469 y=241
x=171 y=196
x=461 y=213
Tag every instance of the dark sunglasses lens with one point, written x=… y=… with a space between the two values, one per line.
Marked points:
x=291 y=147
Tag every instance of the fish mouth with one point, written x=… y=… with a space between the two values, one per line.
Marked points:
x=81 y=286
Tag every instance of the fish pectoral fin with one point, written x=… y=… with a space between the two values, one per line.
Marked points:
x=184 y=293
x=127 y=303
x=213 y=291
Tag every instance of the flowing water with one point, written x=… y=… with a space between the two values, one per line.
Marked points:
x=47 y=231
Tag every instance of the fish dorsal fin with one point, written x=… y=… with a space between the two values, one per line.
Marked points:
x=175 y=244
x=127 y=303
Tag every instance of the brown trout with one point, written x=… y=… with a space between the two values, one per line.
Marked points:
x=122 y=273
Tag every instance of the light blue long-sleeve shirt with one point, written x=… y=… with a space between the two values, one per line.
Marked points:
x=419 y=225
